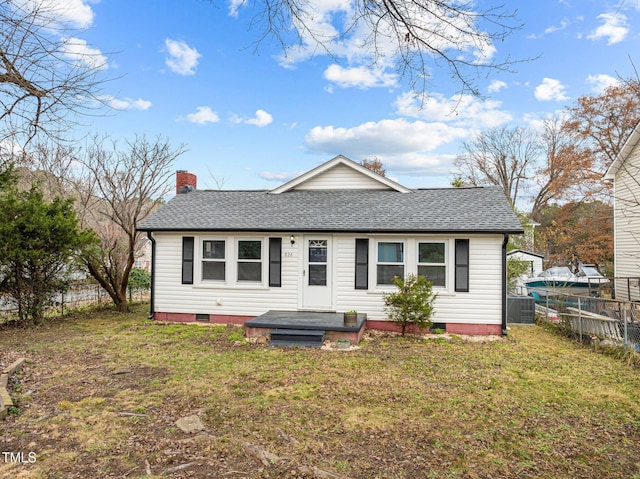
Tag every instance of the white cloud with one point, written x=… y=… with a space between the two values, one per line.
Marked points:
x=550 y=90
x=360 y=77
x=74 y=13
x=386 y=137
x=563 y=25
x=234 y=7
x=482 y=53
x=496 y=85
x=182 y=59
x=78 y=50
x=614 y=28
x=203 y=115
x=399 y=144
x=461 y=110
x=280 y=176
x=127 y=103
x=601 y=82
x=261 y=119
x=326 y=20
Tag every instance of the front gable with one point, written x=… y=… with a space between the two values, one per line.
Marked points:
x=627 y=154
x=340 y=173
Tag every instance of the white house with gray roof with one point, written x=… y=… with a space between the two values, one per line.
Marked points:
x=624 y=172
x=331 y=239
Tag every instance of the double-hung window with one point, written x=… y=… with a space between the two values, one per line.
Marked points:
x=214 y=263
x=432 y=262
x=249 y=261
x=390 y=262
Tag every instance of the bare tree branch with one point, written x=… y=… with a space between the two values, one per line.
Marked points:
x=411 y=36
x=501 y=156
x=43 y=85
x=114 y=187
x=122 y=187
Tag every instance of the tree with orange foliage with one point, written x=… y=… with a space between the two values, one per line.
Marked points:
x=563 y=171
x=576 y=230
x=602 y=123
x=374 y=164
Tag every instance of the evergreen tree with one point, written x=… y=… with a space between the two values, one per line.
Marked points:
x=38 y=240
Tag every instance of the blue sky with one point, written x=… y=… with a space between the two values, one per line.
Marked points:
x=190 y=71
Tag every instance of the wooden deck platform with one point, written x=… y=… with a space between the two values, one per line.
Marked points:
x=331 y=323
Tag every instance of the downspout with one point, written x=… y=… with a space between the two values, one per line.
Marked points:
x=504 y=284
x=152 y=299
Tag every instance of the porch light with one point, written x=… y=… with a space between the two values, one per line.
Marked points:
x=293 y=240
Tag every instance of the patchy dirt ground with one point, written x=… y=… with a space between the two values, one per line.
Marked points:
x=100 y=398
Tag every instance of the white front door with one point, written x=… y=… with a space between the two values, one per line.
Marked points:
x=317 y=273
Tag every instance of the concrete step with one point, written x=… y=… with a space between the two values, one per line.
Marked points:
x=297 y=337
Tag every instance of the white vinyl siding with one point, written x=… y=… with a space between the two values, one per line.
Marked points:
x=627 y=222
x=233 y=299
x=481 y=305
x=341 y=177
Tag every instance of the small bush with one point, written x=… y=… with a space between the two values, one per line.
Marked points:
x=412 y=304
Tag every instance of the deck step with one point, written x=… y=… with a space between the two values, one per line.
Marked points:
x=297 y=337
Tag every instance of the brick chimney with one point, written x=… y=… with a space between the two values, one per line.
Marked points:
x=185 y=182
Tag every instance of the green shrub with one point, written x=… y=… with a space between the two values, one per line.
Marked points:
x=412 y=303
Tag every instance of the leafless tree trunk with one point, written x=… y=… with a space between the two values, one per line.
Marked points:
x=117 y=190
x=113 y=190
x=43 y=84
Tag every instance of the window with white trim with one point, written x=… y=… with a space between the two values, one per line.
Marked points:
x=390 y=262
x=432 y=262
x=214 y=264
x=249 y=260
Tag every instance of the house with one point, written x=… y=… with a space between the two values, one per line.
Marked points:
x=332 y=239
x=534 y=262
x=625 y=174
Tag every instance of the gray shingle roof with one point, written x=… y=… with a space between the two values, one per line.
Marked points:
x=482 y=209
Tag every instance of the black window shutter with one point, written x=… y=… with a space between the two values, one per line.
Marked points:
x=275 y=262
x=362 y=263
x=187 y=259
x=462 y=265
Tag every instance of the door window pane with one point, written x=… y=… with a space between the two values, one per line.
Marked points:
x=317 y=275
x=318 y=251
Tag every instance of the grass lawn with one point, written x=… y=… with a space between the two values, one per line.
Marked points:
x=101 y=393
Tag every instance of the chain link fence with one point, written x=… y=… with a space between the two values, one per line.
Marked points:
x=80 y=295
x=586 y=317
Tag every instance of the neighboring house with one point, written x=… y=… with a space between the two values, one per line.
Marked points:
x=534 y=264
x=625 y=174
x=533 y=260
x=143 y=255
x=331 y=239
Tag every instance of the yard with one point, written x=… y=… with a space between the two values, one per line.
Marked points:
x=100 y=395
